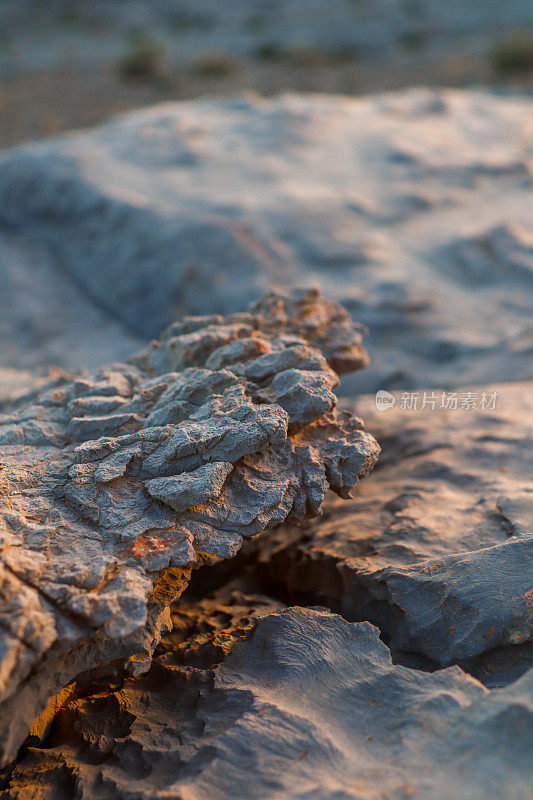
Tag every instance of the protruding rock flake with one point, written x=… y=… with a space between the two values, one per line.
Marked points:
x=109 y=482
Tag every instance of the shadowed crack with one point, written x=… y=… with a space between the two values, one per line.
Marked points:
x=296 y=693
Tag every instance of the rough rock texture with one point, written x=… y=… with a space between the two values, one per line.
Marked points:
x=413 y=209
x=115 y=484
x=309 y=705
x=438 y=548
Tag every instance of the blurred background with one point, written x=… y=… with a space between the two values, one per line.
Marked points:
x=70 y=63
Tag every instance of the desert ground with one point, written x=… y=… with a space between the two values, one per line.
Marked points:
x=71 y=64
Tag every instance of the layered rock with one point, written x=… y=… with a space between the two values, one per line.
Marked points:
x=438 y=549
x=114 y=485
x=308 y=704
x=412 y=208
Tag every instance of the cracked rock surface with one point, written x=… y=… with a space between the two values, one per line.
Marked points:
x=438 y=548
x=151 y=475
x=115 y=484
x=243 y=718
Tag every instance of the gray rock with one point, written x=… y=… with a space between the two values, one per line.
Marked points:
x=308 y=706
x=115 y=484
x=437 y=548
x=191 y=489
x=412 y=209
x=457 y=607
x=48 y=319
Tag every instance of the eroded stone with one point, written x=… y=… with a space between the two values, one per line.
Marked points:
x=438 y=548
x=118 y=480
x=308 y=704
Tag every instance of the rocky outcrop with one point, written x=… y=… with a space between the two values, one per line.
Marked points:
x=308 y=703
x=438 y=549
x=114 y=485
x=120 y=488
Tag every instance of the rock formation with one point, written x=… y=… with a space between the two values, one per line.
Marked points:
x=412 y=209
x=123 y=488
x=244 y=718
x=115 y=484
x=438 y=549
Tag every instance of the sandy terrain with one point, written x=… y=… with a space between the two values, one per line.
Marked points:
x=62 y=64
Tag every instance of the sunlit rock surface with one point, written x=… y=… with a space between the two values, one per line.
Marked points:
x=413 y=209
x=115 y=484
x=438 y=548
x=308 y=705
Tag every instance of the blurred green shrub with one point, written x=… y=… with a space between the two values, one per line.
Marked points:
x=414 y=38
x=144 y=59
x=514 y=53
x=217 y=64
x=268 y=51
x=305 y=55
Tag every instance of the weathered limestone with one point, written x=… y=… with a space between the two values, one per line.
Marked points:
x=438 y=548
x=307 y=705
x=114 y=485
